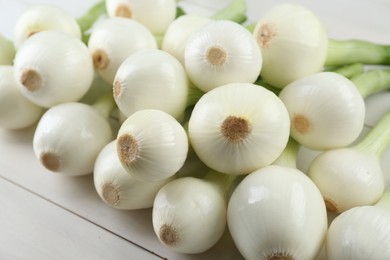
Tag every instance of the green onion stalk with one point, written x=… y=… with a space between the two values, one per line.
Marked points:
x=342 y=52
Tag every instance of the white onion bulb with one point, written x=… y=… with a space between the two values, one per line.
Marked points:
x=360 y=233
x=52 y=68
x=238 y=128
x=179 y=31
x=119 y=189
x=222 y=52
x=151 y=79
x=113 y=40
x=16 y=111
x=293 y=42
x=152 y=145
x=326 y=110
x=41 y=18
x=347 y=178
x=277 y=213
x=156 y=15
x=69 y=137
x=189 y=215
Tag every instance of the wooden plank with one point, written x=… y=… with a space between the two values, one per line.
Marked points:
x=33 y=228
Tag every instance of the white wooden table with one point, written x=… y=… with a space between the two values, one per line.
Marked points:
x=49 y=216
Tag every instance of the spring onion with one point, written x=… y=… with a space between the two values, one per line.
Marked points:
x=326 y=110
x=155 y=15
x=119 y=189
x=182 y=28
x=113 y=40
x=52 y=68
x=222 y=52
x=189 y=214
x=277 y=212
x=341 y=52
x=151 y=79
x=69 y=136
x=360 y=233
x=238 y=128
x=16 y=111
x=352 y=176
x=293 y=42
x=7 y=51
x=44 y=17
x=152 y=145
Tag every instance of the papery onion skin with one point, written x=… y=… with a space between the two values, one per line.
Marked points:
x=267 y=119
x=326 y=110
x=222 y=52
x=360 y=233
x=277 y=211
x=69 y=137
x=293 y=43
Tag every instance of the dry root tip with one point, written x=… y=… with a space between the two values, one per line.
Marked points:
x=51 y=161
x=123 y=10
x=31 y=80
x=127 y=149
x=301 y=124
x=110 y=194
x=100 y=59
x=168 y=235
x=235 y=129
x=331 y=205
x=265 y=34
x=216 y=56
x=280 y=257
x=117 y=89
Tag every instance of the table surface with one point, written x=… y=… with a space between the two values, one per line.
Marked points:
x=49 y=216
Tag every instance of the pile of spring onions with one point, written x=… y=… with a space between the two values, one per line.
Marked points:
x=201 y=119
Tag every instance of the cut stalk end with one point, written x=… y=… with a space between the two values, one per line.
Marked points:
x=123 y=10
x=50 y=161
x=117 y=89
x=100 y=59
x=127 y=149
x=110 y=194
x=216 y=56
x=265 y=34
x=235 y=129
x=31 y=80
x=301 y=123
x=168 y=235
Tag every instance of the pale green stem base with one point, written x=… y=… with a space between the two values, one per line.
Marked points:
x=105 y=105
x=342 y=52
x=372 y=82
x=378 y=138
x=289 y=156
x=7 y=51
x=235 y=11
x=347 y=71
x=226 y=183
x=384 y=201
